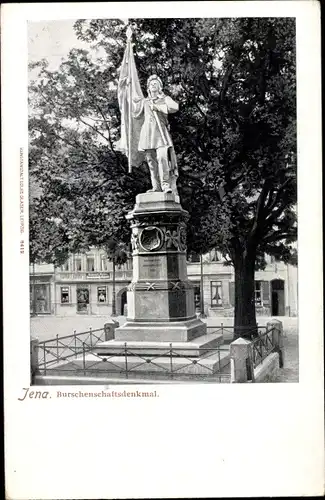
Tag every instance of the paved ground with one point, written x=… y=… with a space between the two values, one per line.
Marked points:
x=47 y=327
x=290 y=372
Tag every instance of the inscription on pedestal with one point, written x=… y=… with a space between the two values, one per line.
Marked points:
x=151 y=267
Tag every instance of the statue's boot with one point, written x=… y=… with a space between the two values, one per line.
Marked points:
x=166 y=188
x=164 y=167
x=155 y=184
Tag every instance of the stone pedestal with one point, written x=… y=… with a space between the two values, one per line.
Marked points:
x=160 y=297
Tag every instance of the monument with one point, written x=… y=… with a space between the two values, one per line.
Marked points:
x=160 y=298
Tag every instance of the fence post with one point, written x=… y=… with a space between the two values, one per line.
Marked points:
x=91 y=336
x=44 y=358
x=277 y=338
x=240 y=352
x=34 y=347
x=171 y=359
x=109 y=329
x=84 y=358
x=57 y=347
x=75 y=342
x=126 y=359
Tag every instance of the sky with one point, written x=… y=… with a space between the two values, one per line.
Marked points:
x=51 y=40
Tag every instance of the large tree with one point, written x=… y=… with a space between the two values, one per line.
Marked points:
x=234 y=137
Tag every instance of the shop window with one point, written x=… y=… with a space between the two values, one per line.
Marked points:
x=216 y=293
x=101 y=294
x=40 y=298
x=83 y=300
x=77 y=264
x=90 y=264
x=65 y=295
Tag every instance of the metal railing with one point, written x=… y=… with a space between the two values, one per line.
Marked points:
x=80 y=355
x=77 y=355
x=229 y=331
x=262 y=346
x=63 y=348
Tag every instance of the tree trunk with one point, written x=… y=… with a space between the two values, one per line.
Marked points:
x=114 y=292
x=245 y=314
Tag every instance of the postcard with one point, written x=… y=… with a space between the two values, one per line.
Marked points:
x=162 y=250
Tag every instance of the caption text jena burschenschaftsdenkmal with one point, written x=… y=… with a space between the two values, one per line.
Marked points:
x=36 y=394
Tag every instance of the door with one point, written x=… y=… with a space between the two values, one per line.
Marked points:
x=197 y=296
x=40 y=298
x=83 y=300
x=275 y=303
x=277 y=297
x=123 y=303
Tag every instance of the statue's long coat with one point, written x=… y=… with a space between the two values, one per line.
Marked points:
x=150 y=134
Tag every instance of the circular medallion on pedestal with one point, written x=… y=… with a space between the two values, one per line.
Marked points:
x=151 y=238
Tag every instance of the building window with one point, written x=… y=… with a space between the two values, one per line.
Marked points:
x=90 y=264
x=101 y=294
x=65 y=295
x=65 y=266
x=103 y=263
x=128 y=265
x=216 y=293
x=193 y=257
x=77 y=264
x=214 y=256
x=258 y=293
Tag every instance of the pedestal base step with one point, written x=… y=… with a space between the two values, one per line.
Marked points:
x=195 y=347
x=173 y=331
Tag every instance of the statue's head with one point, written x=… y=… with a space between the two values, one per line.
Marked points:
x=154 y=85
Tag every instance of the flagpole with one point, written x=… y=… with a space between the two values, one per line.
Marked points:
x=129 y=37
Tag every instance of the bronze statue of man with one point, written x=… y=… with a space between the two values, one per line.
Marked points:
x=144 y=124
x=155 y=140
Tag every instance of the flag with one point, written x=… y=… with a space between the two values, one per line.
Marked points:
x=128 y=93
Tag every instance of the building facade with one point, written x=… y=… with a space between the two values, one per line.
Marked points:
x=85 y=285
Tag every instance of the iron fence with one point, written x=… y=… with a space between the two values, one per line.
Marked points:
x=77 y=355
x=63 y=348
x=228 y=332
x=262 y=346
